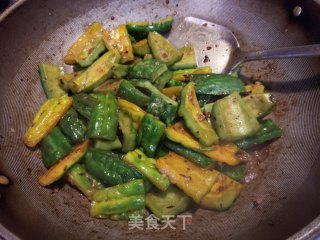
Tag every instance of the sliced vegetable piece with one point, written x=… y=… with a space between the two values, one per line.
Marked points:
x=148 y=69
x=208 y=188
x=148 y=56
x=171 y=202
x=72 y=126
x=162 y=150
x=162 y=80
x=217 y=84
x=163 y=50
x=78 y=69
x=186 y=74
x=268 y=131
x=54 y=147
x=172 y=92
x=84 y=104
x=91 y=54
x=128 y=130
x=66 y=78
x=260 y=105
x=134 y=187
x=78 y=176
x=141 y=29
x=150 y=133
x=255 y=88
x=109 y=168
x=119 y=70
x=174 y=83
x=207 y=108
x=103 y=123
x=237 y=172
x=231 y=118
x=96 y=74
x=188 y=59
x=204 y=99
x=128 y=215
x=114 y=206
x=87 y=47
x=129 y=92
x=194 y=118
x=132 y=39
x=191 y=155
x=135 y=61
x=195 y=182
x=59 y=169
x=50 y=76
x=119 y=39
x=135 y=112
x=46 y=119
x=160 y=105
x=224 y=152
x=147 y=85
x=222 y=194
x=111 y=85
x=108 y=145
x=147 y=166
x=141 y=48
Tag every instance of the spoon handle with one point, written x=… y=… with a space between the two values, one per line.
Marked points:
x=289 y=52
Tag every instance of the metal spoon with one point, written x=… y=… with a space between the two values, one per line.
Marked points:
x=217 y=46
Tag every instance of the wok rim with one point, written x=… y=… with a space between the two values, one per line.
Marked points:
x=10 y=9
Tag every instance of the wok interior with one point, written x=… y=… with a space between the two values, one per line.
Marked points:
x=282 y=199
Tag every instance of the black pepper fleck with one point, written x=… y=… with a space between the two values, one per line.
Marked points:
x=206 y=59
x=271 y=224
x=255 y=203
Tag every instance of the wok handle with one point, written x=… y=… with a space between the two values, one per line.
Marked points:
x=289 y=52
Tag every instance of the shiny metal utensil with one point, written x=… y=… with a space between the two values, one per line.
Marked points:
x=216 y=46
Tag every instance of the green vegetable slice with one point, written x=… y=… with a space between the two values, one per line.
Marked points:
x=50 y=76
x=140 y=30
x=188 y=59
x=163 y=50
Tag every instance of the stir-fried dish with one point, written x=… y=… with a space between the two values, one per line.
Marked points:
x=138 y=127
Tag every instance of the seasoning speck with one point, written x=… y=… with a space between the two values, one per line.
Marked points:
x=209 y=47
x=4 y=180
x=167 y=1
x=206 y=59
x=255 y=203
x=271 y=224
x=55 y=190
x=205 y=24
x=112 y=18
